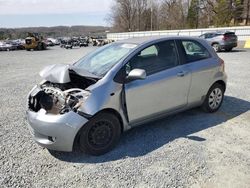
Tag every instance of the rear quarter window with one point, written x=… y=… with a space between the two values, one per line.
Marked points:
x=194 y=51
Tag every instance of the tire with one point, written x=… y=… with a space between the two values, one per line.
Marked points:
x=228 y=49
x=39 y=46
x=43 y=46
x=216 y=47
x=214 y=98
x=100 y=134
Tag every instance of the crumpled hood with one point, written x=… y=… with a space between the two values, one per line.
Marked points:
x=59 y=73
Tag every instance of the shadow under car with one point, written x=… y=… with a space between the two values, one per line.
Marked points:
x=146 y=138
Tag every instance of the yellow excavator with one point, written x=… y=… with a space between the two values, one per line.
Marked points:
x=35 y=41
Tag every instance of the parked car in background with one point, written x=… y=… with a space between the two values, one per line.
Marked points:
x=83 y=42
x=49 y=43
x=18 y=44
x=220 y=40
x=6 y=46
x=53 y=41
x=121 y=85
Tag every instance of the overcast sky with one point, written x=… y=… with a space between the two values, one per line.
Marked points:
x=26 y=13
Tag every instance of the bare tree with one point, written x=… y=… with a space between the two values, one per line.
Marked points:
x=141 y=7
x=172 y=14
x=123 y=15
x=246 y=11
x=137 y=15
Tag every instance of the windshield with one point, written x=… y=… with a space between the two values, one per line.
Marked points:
x=101 y=61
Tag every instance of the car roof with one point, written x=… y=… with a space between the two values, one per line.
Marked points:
x=219 y=32
x=143 y=40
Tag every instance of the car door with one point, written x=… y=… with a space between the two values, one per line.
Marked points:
x=165 y=87
x=202 y=66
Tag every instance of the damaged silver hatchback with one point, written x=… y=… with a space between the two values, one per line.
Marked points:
x=121 y=85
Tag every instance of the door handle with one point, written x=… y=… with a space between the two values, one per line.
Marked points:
x=181 y=74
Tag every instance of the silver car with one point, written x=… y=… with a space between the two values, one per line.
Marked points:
x=121 y=85
x=222 y=40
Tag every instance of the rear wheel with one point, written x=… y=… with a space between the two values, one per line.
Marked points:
x=228 y=49
x=216 y=47
x=213 y=98
x=100 y=134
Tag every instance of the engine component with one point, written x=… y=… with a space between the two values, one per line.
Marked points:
x=56 y=101
x=46 y=101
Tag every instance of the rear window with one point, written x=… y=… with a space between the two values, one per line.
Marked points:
x=230 y=33
x=194 y=51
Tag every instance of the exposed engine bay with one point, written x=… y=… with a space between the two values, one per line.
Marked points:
x=56 y=101
x=60 y=98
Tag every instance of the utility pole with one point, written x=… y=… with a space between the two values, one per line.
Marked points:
x=151 y=15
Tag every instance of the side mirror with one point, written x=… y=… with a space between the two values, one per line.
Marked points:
x=136 y=74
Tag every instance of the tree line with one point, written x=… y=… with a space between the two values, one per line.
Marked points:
x=144 y=15
x=57 y=31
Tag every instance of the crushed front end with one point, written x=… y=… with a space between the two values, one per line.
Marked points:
x=53 y=112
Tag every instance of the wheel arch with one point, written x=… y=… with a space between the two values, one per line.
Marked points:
x=221 y=82
x=114 y=112
x=214 y=43
x=107 y=110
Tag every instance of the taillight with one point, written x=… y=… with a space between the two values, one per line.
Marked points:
x=222 y=65
x=225 y=37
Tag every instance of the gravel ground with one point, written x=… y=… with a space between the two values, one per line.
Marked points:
x=190 y=149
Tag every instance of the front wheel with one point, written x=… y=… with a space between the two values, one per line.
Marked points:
x=44 y=46
x=39 y=46
x=214 y=98
x=100 y=134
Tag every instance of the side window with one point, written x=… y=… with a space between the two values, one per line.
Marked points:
x=150 y=51
x=213 y=35
x=194 y=51
x=203 y=36
x=209 y=35
x=155 y=58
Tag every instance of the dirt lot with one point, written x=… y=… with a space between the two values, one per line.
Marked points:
x=191 y=149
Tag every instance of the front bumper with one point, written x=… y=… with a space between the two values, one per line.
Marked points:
x=55 y=132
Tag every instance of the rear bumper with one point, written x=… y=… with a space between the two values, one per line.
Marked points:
x=228 y=45
x=55 y=132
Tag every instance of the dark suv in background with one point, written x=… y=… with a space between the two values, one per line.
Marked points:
x=226 y=40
